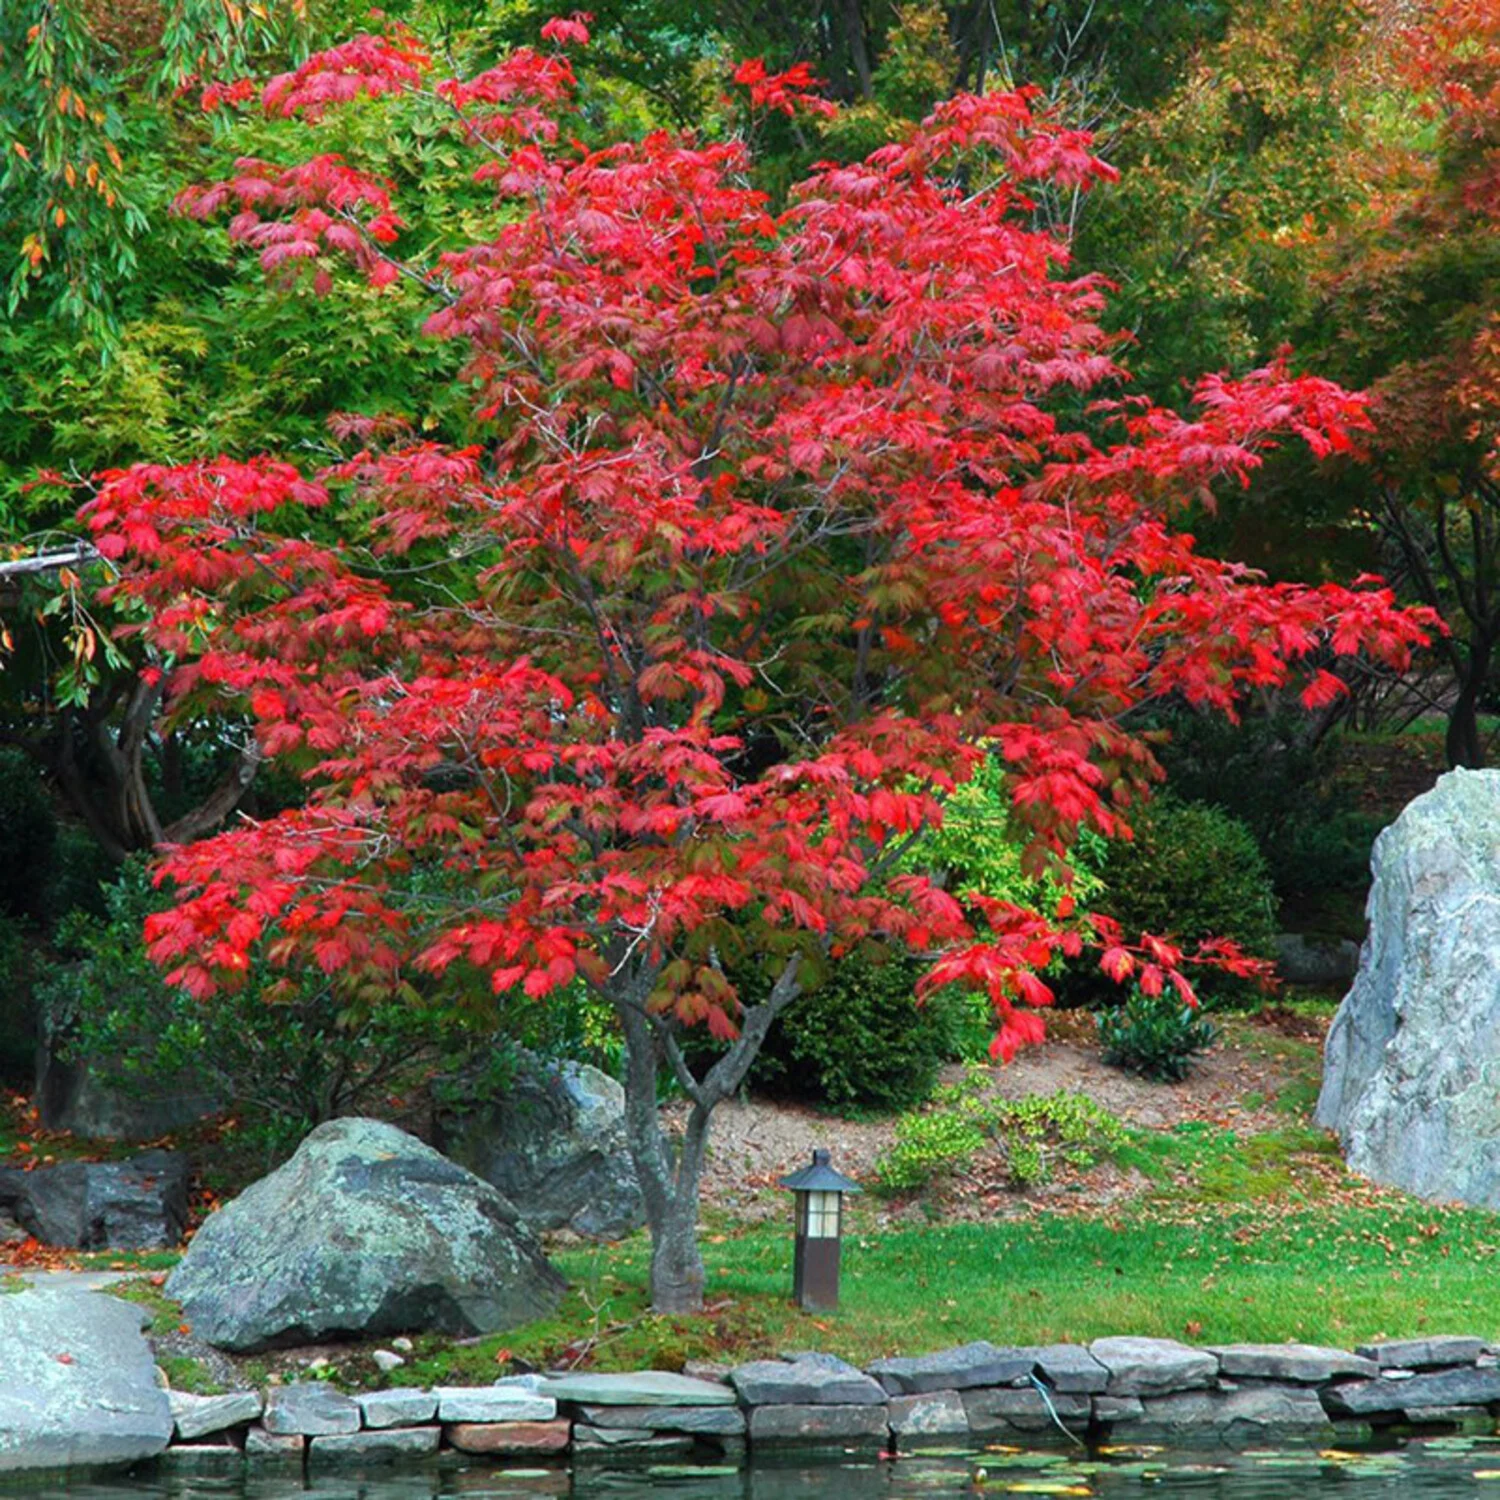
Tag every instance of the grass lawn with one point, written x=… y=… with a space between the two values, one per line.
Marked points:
x=1225 y=1276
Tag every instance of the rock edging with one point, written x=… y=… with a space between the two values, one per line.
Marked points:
x=1115 y=1390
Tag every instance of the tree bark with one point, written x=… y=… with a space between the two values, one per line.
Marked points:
x=671 y=1173
x=1463 y=744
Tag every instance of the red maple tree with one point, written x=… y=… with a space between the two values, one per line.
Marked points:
x=781 y=523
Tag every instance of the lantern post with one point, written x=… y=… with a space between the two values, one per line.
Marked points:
x=818 y=1197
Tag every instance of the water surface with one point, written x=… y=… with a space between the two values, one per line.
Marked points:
x=1442 y=1468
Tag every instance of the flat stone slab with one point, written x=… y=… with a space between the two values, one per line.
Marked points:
x=1423 y=1354
x=77 y=1383
x=1022 y=1409
x=1068 y=1368
x=309 y=1408
x=1303 y=1364
x=200 y=1459
x=1466 y=1386
x=353 y=1449
x=510 y=1437
x=397 y=1408
x=274 y=1448
x=932 y=1414
x=819 y=1424
x=719 y=1421
x=1153 y=1367
x=638 y=1388
x=198 y=1416
x=1233 y=1418
x=958 y=1369
x=805 y=1382
x=492 y=1403
x=1111 y=1409
x=628 y=1440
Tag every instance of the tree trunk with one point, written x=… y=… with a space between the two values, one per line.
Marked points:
x=676 y=1263
x=670 y=1173
x=1463 y=743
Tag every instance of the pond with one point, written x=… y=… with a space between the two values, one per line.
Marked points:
x=1440 y=1468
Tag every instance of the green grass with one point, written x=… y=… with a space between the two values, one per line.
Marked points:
x=1324 y=1275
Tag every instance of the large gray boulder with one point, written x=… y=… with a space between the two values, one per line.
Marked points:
x=77 y=1383
x=364 y=1231
x=1411 y=1072
x=554 y=1144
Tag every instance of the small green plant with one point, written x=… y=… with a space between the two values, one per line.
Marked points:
x=1032 y=1135
x=1156 y=1036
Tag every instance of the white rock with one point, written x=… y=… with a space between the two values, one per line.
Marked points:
x=1410 y=1069
x=387 y=1360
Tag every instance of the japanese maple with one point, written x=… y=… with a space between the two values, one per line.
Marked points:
x=780 y=524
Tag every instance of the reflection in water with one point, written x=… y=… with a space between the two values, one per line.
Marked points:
x=1443 y=1468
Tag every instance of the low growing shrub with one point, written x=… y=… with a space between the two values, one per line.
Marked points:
x=1033 y=1134
x=859 y=1043
x=283 y=1053
x=1192 y=872
x=1156 y=1036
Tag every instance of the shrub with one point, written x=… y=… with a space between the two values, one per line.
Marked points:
x=17 y=1007
x=28 y=836
x=283 y=1053
x=1193 y=872
x=1156 y=1036
x=1265 y=772
x=978 y=849
x=859 y=1042
x=1032 y=1134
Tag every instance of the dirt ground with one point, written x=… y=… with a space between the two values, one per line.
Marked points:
x=756 y=1141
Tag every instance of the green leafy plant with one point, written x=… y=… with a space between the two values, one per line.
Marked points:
x=283 y=1054
x=1156 y=1036
x=1033 y=1135
x=1193 y=872
x=859 y=1043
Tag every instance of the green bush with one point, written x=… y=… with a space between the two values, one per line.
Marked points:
x=1264 y=771
x=859 y=1042
x=282 y=1054
x=28 y=836
x=18 y=948
x=979 y=848
x=1156 y=1036
x=1032 y=1134
x=1193 y=872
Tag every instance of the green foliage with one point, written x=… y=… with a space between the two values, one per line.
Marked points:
x=1156 y=1036
x=281 y=1056
x=28 y=836
x=1193 y=872
x=1264 y=772
x=859 y=1042
x=17 y=1005
x=978 y=848
x=1033 y=1135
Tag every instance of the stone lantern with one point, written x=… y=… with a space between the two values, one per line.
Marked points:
x=818 y=1192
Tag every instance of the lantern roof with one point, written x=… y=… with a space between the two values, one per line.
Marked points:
x=819 y=1178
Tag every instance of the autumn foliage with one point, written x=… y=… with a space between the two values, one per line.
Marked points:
x=778 y=522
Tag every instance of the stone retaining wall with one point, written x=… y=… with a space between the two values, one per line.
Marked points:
x=1115 y=1390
